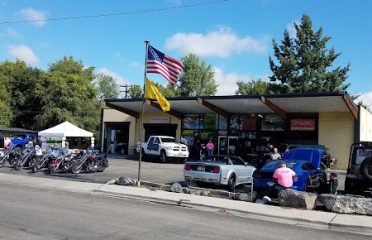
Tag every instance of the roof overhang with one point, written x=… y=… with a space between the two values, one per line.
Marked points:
x=282 y=104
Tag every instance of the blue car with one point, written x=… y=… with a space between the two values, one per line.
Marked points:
x=305 y=162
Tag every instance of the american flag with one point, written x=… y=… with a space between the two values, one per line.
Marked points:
x=158 y=62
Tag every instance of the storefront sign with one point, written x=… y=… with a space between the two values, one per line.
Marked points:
x=160 y=120
x=302 y=124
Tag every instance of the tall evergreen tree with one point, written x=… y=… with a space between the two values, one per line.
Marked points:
x=305 y=64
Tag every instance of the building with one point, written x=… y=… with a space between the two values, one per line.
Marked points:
x=242 y=125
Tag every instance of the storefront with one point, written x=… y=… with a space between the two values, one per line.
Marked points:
x=246 y=125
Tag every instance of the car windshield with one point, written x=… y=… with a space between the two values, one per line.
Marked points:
x=272 y=165
x=164 y=139
x=19 y=137
x=221 y=159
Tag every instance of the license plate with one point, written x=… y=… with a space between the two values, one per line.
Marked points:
x=200 y=168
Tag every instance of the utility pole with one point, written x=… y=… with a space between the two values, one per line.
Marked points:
x=126 y=87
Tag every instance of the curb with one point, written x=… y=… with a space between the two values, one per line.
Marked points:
x=209 y=208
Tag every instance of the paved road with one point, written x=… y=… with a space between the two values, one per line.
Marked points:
x=31 y=213
x=155 y=172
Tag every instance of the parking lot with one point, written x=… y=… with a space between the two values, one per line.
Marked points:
x=118 y=166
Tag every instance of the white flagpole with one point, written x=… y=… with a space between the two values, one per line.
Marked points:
x=141 y=126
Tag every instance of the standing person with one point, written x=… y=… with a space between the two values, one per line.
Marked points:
x=333 y=183
x=210 y=148
x=275 y=155
x=203 y=151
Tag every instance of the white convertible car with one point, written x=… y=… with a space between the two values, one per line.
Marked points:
x=230 y=171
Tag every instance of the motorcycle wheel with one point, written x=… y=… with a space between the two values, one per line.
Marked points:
x=18 y=165
x=101 y=168
x=50 y=170
x=34 y=169
x=2 y=162
x=75 y=169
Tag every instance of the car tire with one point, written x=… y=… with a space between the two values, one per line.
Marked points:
x=163 y=157
x=231 y=183
x=366 y=169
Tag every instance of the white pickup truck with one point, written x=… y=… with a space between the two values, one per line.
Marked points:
x=165 y=148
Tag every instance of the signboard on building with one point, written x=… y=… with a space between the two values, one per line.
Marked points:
x=300 y=124
x=159 y=120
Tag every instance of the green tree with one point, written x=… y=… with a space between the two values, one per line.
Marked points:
x=304 y=63
x=5 y=101
x=23 y=82
x=135 y=91
x=260 y=87
x=68 y=93
x=107 y=87
x=197 y=78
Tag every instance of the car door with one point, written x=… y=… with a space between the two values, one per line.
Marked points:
x=151 y=146
x=239 y=169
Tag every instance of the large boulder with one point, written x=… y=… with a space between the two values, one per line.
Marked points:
x=244 y=196
x=346 y=204
x=296 y=199
x=176 y=187
x=126 y=181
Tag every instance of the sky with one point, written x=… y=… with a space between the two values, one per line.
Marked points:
x=234 y=36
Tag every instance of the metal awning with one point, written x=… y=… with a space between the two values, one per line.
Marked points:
x=243 y=104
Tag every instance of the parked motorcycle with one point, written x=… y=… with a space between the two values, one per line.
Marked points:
x=27 y=155
x=10 y=155
x=42 y=161
x=101 y=163
x=86 y=161
x=61 y=161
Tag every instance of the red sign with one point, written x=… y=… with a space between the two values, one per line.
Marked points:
x=302 y=124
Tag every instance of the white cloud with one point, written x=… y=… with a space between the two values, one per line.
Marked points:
x=31 y=14
x=13 y=33
x=119 y=79
x=221 y=43
x=366 y=99
x=24 y=53
x=227 y=81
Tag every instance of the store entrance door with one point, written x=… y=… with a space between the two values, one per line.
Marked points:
x=233 y=145
x=222 y=145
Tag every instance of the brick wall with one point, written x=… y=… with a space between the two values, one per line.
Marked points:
x=336 y=131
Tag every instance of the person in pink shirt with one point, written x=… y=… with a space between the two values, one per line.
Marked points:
x=210 y=148
x=284 y=176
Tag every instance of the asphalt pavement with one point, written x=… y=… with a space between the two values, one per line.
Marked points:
x=33 y=213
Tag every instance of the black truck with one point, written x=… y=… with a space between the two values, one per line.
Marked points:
x=359 y=173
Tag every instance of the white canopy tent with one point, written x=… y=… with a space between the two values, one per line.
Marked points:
x=59 y=133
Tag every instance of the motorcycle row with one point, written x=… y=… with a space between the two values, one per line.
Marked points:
x=53 y=159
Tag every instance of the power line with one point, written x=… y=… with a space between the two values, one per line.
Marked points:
x=116 y=14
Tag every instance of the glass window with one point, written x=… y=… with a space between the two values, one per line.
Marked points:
x=235 y=122
x=151 y=141
x=191 y=121
x=210 y=121
x=164 y=139
x=156 y=141
x=222 y=123
x=272 y=122
x=248 y=123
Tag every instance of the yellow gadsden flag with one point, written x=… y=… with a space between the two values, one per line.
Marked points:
x=152 y=92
